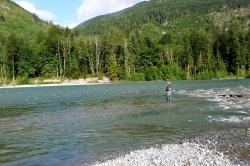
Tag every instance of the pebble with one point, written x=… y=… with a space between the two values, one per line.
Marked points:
x=219 y=148
x=170 y=154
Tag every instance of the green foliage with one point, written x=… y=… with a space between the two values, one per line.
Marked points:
x=14 y=18
x=136 y=77
x=25 y=63
x=176 y=16
x=166 y=39
x=22 y=80
x=48 y=71
x=2 y=19
x=152 y=73
x=207 y=75
x=221 y=73
x=171 y=72
x=248 y=74
x=154 y=40
x=74 y=74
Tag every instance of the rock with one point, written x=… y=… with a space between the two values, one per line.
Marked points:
x=221 y=148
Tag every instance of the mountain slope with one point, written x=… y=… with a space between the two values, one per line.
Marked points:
x=14 y=18
x=171 y=15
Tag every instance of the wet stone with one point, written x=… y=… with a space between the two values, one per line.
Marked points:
x=234 y=143
x=231 y=147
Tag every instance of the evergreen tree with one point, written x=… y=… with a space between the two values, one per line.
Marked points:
x=3 y=60
x=25 y=62
x=12 y=47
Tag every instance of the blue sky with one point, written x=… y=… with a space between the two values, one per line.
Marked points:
x=72 y=12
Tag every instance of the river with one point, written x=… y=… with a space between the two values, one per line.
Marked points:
x=71 y=125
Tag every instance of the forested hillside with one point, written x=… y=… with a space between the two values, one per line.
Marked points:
x=171 y=15
x=154 y=40
x=18 y=29
x=14 y=18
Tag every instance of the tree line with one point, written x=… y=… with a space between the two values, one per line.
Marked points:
x=133 y=55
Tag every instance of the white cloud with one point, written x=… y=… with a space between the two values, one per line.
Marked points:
x=88 y=9
x=92 y=8
x=72 y=25
x=45 y=15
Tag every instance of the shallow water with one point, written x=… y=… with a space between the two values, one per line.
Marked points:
x=69 y=125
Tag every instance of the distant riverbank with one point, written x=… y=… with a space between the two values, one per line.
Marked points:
x=62 y=82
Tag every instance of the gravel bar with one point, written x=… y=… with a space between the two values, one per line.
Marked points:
x=230 y=147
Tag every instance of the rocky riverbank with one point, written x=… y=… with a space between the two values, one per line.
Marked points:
x=231 y=147
x=234 y=143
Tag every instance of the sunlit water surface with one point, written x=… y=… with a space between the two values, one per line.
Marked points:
x=70 y=125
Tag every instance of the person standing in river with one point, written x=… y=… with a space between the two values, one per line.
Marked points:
x=168 y=89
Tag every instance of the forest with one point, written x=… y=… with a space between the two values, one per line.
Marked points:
x=144 y=53
x=171 y=15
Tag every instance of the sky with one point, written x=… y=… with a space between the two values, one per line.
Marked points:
x=70 y=13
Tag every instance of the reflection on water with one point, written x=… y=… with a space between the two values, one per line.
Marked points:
x=76 y=124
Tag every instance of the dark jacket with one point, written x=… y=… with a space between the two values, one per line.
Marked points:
x=168 y=87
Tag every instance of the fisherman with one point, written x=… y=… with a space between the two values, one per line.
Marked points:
x=168 y=89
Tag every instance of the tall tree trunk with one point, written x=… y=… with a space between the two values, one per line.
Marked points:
x=64 y=65
x=97 y=54
x=126 y=61
x=113 y=45
x=69 y=48
x=171 y=57
x=91 y=66
x=13 y=70
x=64 y=60
x=58 y=57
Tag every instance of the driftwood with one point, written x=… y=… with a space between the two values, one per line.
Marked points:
x=229 y=96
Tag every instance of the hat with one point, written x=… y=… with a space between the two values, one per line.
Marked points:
x=169 y=83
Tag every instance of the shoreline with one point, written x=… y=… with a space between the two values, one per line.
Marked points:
x=59 y=82
x=227 y=147
x=73 y=82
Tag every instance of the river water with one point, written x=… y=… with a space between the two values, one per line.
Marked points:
x=71 y=125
